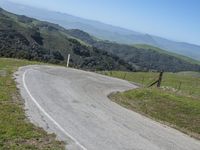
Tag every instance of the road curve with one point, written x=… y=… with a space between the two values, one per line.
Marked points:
x=73 y=104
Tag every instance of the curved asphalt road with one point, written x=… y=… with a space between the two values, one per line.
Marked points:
x=73 y=104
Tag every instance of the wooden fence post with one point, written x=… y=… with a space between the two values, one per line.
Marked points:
x=160 y=79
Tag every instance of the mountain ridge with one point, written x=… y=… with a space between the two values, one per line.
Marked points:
x=147 y=58
x=105 y=31
x=28 y=38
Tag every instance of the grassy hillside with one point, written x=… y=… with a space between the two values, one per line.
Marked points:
x=176 y=103
x=141 y=57
x=183 y=82
x=16 y=133
x=149 y=47
x=104 y=31
x=27 y=38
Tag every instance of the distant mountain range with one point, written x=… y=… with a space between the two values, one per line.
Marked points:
x=28 y=38
x=104 y=31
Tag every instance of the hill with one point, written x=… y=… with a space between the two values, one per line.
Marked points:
x=143 y=57
x=144 y=46
x=104 y=31
x=27 y=38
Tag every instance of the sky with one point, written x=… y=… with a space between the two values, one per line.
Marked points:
x=173 y=19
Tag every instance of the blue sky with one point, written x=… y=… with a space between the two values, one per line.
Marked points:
x=173 y=19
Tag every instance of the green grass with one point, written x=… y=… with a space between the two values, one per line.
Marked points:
x=184 y=83
x=176 y=103
x=15 y=131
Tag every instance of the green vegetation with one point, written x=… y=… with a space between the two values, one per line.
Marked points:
x=176 y=103
x=141 y=57
x=184 y=83
x=15 y=130
x=149 y=47
x=27 y=38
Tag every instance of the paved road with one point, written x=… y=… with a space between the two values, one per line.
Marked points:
x=74 y=105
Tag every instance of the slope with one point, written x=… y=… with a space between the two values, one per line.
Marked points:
x=104 y=31
x=141 y=57
x=149 y=47
x=27 y=38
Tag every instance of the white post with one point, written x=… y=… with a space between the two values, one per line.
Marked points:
x=68 y=58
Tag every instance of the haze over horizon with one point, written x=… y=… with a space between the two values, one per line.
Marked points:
x=175 y=20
